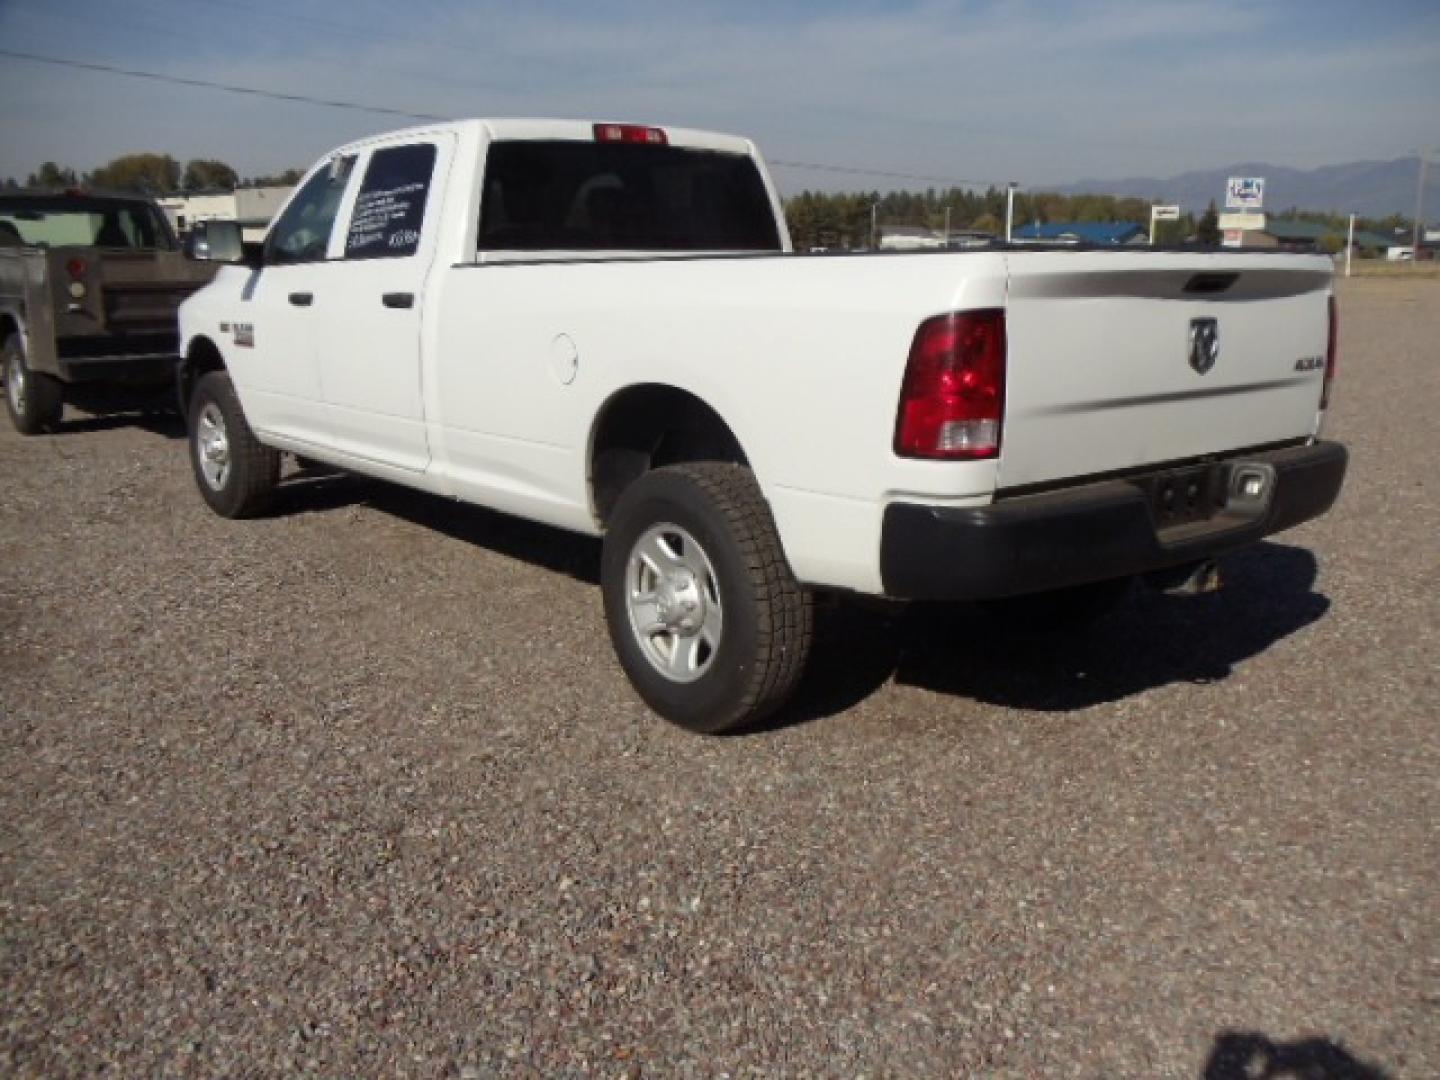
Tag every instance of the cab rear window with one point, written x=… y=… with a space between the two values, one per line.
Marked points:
x=58 y=221
x=578 y=196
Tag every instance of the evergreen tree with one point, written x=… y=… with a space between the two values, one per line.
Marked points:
x=50 y=175
x=1207 y=232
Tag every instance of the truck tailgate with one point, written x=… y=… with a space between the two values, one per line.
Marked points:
x=1111 y=364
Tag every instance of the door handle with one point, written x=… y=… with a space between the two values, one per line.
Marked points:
x=398 y=299
x=302 y=299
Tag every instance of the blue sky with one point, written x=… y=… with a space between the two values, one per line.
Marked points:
x=964 y=90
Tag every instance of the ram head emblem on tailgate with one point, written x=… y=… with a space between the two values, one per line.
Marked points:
x=1204 y=344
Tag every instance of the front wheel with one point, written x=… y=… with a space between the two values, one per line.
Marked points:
x=708 y=621
x=235 y=472
x=33 y=399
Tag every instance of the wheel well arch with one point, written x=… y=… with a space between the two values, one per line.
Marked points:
x=647 y=426
x=202 y=357
x=9 y=324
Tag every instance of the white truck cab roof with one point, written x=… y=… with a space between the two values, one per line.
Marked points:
x=518 y=129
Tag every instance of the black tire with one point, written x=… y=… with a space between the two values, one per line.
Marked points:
x=235 y=472
x=717 y=520
x=34 y=400
x=1060 y=610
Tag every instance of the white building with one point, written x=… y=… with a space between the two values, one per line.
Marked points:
x=909 y=238
x=253 y=207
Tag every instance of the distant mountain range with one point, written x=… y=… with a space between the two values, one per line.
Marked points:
x=1373 y=189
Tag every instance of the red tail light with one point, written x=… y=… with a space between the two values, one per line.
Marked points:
x=953 y=402
x=630 y=133
x=76 y=268
x=1332 y=354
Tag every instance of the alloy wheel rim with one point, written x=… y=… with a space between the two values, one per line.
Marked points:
x=212 y=446
x=672 y=597
x=15 y=384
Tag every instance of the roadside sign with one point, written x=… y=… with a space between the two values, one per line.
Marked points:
x=1162 y=213
x=1242 y=221
x=1245 y=193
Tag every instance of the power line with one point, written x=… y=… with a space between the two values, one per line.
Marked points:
x=275 y=95
x=177 y=80
x=190 y=38
x=156 y=76
x=852 y=170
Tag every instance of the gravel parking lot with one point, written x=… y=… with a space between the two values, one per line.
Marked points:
x=359 y=790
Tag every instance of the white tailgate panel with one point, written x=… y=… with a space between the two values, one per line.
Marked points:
x=1099 y=376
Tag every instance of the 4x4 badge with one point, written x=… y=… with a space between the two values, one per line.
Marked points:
x=1204 y=344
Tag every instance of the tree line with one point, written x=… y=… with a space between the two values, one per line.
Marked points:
x=816 y=219
x=152 y=174
x=845 y=220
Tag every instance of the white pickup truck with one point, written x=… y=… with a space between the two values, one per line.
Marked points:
x=602 y=327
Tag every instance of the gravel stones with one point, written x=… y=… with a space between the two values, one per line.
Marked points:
x=358 y=789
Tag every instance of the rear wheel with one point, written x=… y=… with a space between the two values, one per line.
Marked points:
x=708 y=622
x=235 y=472
x=33 y=399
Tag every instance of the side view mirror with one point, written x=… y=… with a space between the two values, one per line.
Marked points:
x=218 y=241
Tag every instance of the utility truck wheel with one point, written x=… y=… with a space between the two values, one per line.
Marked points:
x=707 y=619
x=33 y=399
x=236 y=473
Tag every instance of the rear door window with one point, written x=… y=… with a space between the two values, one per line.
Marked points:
x=389 y=210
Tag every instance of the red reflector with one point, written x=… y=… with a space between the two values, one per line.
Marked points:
x=952 y=404
x=630 y=133
x=1332 y=354
x=76 y=268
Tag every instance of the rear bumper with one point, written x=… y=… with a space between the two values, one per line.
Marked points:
x=1033 y=543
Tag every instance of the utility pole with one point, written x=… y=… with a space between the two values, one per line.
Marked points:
x=947 y=226
x=1010 y=209
x=1350 y=245
x=1424 y=156
x=874 y=226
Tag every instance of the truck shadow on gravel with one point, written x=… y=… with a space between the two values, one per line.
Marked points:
x=169 y=425
x=319 y=489
x=1249 y=1055
x=1151 y=640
